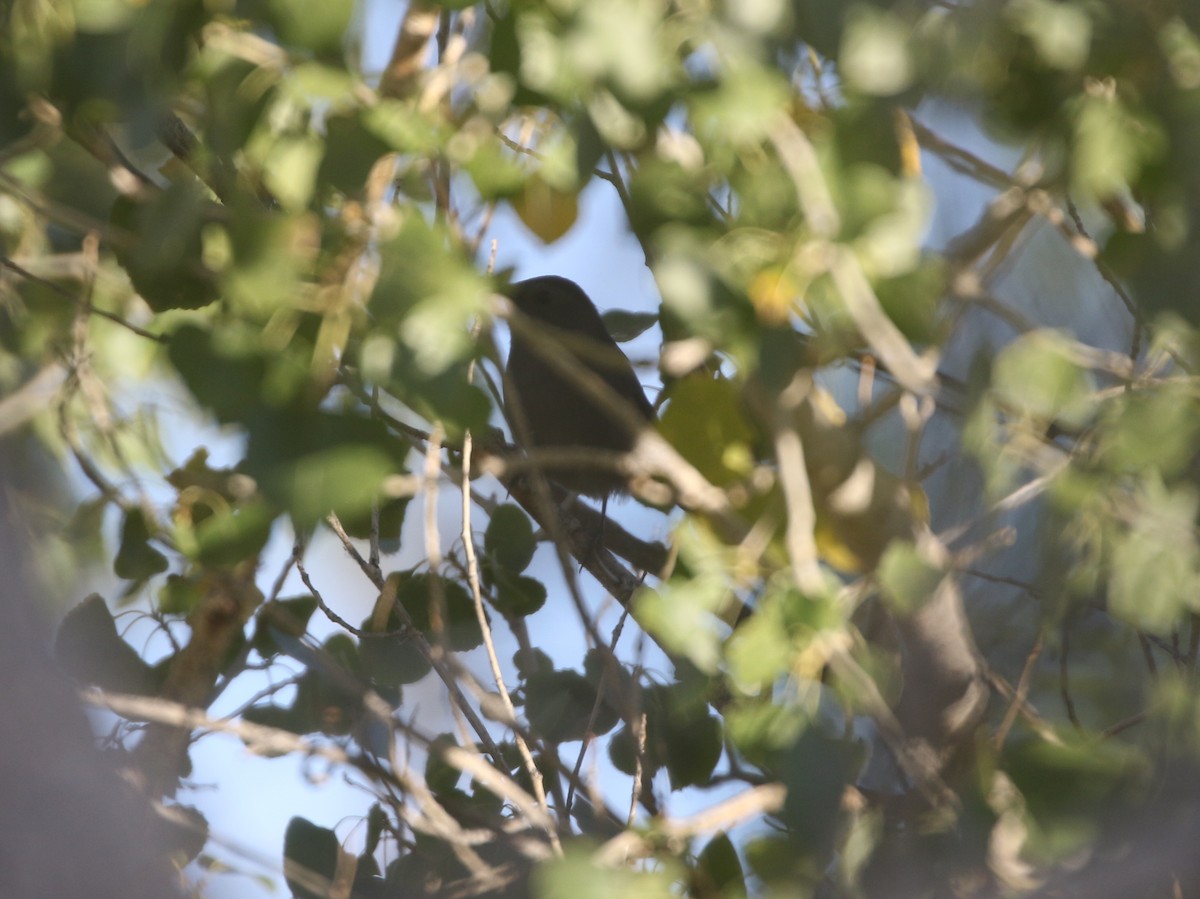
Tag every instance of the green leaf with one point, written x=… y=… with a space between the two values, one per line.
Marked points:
x=310 y=855
x=718 y=871
x=508 y=539
x=575 y=877
x=269 y=252
x=760 y=650
x=705 y=420
x=282 y=618
x=548 y=212
x=1150 y=429
x=351 y=149
x=233 y=535
x=185 y=833
x=320 y=28
x=1037 y=374
x=179 y=595
x=391 y=522
x=137 y=560
x=419 y=593
x=875 y=57
x=440 y=775
x=1155 y=565
x=694 y=743
x=624 y=325
x=907 y=580
x=163 y=250
x=759 y=728
x=342 y=479
x=223 y=371
x=559 y=704
x=88 y=648
x=392 y=661
x=518 y=595
x=1073 y=788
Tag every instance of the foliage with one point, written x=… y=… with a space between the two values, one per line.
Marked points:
x=931 y=450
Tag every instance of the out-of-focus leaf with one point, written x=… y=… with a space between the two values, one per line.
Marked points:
x=624 y=325
x=1037 y=375
x=575 y=877
x=545 y=210
x=318 y=29
x=429 y=598
x=508 y=539
x=163 y=247
x=1156 y=563
x=391 y=522
x=559 y=704
x=281 y=618
x=136 y=559
x=179 y=595
x=907 y=580
x=89 y=648
x=718 y=871
x=350 y=152
x=518 y=595
x=186 y=832
x=705 y=421
x=310 y=855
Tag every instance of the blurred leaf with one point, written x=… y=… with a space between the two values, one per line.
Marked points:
x=377 y=821
x=229 y=536
x=1075 y=788
x=222 y=370
x=310 y=855
x=1037 y=375
x=391 y=522
x=718 y=871
x=282 y=618
x=558 y=705
x=694 y=743
x=424 y=595
x=705 y=420
x=136 y=559
x=624 y=325
x=431 y=295
x=907 y=580
x=546 y=211
x=164 y=256
x=508 y=539
x=350 y=152
x=760 y=651
x=1154 y=429
x=185 y=833
x=291 y=170
x=440 y=775
x=318 y=29
x=393 y=661
x=875 y=56
x=1111 y=146
x=269 y=252
x=179 y=595
x=89 y=649
x=518 y=595
x=575 y=877
x=1156 y=564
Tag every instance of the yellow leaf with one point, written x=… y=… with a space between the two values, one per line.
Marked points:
x=546 y=211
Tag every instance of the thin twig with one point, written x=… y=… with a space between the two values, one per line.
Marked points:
x=1022 y=691
x=535 y=776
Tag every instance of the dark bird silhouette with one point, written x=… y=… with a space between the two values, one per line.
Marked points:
x=548 y=409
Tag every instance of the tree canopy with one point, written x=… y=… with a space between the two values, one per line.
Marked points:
x=924 y=620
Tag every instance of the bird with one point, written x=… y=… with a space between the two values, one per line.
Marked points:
x=549 y=410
